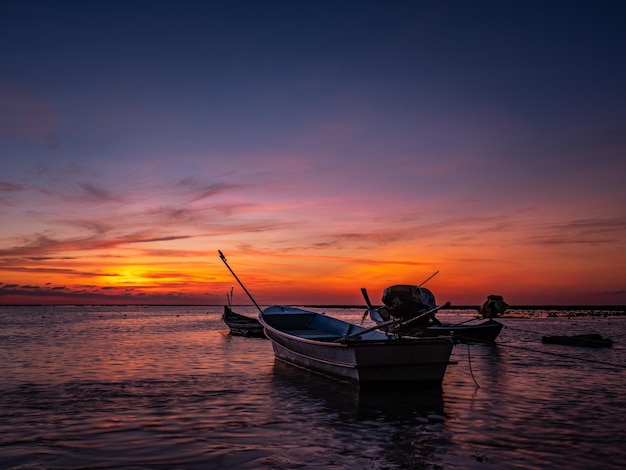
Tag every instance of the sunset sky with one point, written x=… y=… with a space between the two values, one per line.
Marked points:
x=323 y=146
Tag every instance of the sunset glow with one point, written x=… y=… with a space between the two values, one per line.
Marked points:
x=321 y=152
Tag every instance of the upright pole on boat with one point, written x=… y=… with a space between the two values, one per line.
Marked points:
x=429 y=278
x=240 y=283
x=230 y=297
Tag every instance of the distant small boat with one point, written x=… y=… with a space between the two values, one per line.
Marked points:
x=592 y=340
x=241 y=325
x=333 y=347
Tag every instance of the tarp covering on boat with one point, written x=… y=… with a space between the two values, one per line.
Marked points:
x=405 y=301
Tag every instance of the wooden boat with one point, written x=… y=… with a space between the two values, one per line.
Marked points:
x=592 y=340
x=485 y=332
x=240 y=325
x=339 y=349
x=402 y=301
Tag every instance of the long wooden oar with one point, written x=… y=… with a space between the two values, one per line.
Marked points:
x=394 y=321
x=425 y=314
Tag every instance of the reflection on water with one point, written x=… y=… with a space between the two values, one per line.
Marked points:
x=399 y=426
x=168 y=387
x=361 y=403
x=531 y=407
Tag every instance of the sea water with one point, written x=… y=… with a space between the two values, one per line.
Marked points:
x=169 y=388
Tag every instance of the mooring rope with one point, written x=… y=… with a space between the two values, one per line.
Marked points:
x=522 y=330
x=469 y=360
x=567 y=356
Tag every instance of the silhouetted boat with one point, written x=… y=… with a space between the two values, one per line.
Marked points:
x=592 y=340
x=333 y=347
x=339 y=349
x=406 y=301
x=485 y=332
x=241 y=325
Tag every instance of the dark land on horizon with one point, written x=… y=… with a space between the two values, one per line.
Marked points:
x=592 y=308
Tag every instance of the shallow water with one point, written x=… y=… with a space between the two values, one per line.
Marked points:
x=168 y=387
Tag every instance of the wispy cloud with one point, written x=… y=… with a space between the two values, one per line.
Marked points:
x=200 y=190
x=68 y=272
x=6 y=186
x=25 y=115
x=596 y=231
x=38 y=244
x=96 y=193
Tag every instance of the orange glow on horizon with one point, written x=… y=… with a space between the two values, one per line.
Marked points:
x=156 y=269
x=299 y=278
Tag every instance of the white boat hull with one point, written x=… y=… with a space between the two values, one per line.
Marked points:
x=374 y=357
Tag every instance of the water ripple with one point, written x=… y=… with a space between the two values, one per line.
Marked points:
x=168 y=388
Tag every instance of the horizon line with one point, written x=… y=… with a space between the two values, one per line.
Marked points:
x=611 y=307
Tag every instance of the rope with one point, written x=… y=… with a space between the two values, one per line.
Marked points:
x=522 y=330
x=469 y=360
x=567 y=356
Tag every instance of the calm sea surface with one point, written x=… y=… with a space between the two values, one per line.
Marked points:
x=169 y=388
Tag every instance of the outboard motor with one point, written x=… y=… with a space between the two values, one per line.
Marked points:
x=493 y=306
x=405 y=301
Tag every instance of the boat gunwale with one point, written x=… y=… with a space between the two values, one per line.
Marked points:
x=343 y=341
